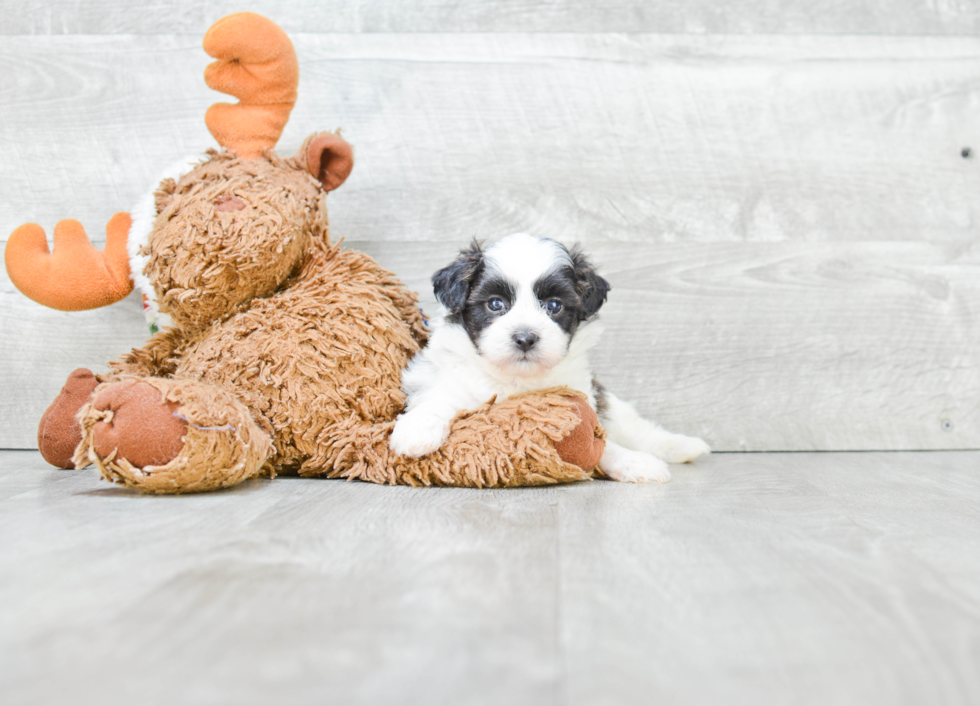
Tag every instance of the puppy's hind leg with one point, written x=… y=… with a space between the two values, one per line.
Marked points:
x=628 y=466
x=627 y=428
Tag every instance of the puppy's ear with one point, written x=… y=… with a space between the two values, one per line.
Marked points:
x=452 y=284
x=591 y=288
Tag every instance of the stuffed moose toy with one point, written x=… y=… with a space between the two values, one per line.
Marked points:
x=277 y=351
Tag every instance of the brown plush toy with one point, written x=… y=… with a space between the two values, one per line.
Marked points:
x=279 y=351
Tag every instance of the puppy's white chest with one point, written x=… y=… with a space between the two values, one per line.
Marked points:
x=580 y=380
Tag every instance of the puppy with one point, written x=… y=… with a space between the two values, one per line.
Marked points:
x=518 y=316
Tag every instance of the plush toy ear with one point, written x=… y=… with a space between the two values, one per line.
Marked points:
x=328 y=157
x=451 y=284
x=590 y=286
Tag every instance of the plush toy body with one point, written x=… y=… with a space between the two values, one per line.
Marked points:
x=281 y=351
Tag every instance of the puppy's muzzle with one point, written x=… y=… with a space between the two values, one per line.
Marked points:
x=525 y=340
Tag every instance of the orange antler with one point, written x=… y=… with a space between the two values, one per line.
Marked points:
x=74 y=275
x=256 y=64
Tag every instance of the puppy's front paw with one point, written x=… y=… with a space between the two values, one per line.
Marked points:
x=417 y=435
x=627 y=466
x=682 y=449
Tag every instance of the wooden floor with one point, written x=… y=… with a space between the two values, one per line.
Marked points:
x=750 y=578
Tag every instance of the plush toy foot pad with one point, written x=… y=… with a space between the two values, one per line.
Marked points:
x=142 y=428
x=584 y=445
x=59 y=432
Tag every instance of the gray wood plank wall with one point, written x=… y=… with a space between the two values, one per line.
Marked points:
x=785 y=213
x=911 y=17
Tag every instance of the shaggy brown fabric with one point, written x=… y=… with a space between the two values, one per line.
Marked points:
x=330 y=346
x=204 y=262
x=496 y=445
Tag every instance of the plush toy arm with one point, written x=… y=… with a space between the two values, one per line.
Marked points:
x=74 y=275
x=512 y=443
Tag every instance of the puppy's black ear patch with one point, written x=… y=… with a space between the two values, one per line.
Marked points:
x=452 y=284
x=591 y=288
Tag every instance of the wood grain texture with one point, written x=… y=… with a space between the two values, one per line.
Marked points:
x=748 y=579
x=806 y=579
x=595 y=137
x=789 y=224
x=915 y=17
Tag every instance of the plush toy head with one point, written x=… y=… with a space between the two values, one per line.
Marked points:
x=243 y=224
x=232 y=229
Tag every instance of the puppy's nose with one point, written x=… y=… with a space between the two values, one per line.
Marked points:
x=525 y=340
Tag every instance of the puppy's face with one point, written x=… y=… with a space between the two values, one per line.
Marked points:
x=520 y=300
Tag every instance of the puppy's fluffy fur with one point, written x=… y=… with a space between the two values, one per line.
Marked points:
x=520 y=316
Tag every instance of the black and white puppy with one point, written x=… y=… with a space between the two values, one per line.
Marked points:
x=518 y=316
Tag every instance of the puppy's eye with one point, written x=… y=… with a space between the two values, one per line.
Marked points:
x=553 y=307
x=496 y=304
